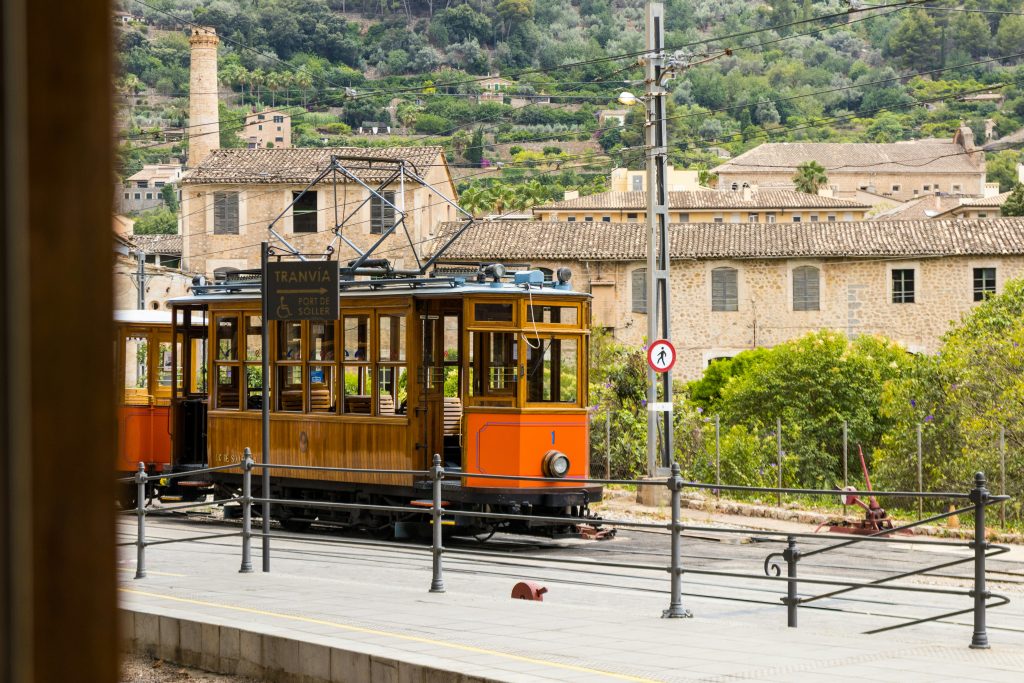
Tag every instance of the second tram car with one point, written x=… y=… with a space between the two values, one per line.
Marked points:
x=488 y=371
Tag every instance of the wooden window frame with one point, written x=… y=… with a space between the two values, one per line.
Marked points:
x=216 y=362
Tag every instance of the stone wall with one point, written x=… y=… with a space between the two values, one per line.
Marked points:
x=911 y=185
x=855 y=299
x=162 y=284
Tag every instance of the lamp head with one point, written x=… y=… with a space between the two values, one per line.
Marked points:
x=627 y=98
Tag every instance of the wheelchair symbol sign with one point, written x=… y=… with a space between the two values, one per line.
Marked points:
x=661 y=355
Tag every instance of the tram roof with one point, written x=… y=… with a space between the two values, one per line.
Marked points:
x=142 y=316
x=417 y=289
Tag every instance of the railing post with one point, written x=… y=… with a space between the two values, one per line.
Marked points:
x=718 y=456
x=791 y=555
x=140 y=513
x=246 y=512
x=437 y=580
x=979 y=496
x=675 y=606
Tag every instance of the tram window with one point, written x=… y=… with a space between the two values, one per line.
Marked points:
x=136 y=370
x=553 y=315
x=392 y=375
x=392 y=338
x=253 y=338
x=227 y=386
x=392 y=389
x=289 y=341
x=358 y=384
x=357 y=337
x=163 y=368
x=493 y=313
x=451 y=356
x=357 y=389
x=321 y=341
x=493 y=363
x=254 y=362
x=321 y=388
x=551 y=374
x=289 y=383
x=227 y=338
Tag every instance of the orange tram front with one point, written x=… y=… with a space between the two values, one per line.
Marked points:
x=491 y=375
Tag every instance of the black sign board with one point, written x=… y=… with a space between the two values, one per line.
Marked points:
x=302 y=290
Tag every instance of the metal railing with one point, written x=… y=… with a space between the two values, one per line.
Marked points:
x=979 y=498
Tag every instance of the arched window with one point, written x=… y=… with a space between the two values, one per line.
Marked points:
x=638 y=282
x=724 y=289
x=806 y=289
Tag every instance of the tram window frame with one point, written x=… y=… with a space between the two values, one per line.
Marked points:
x=190 y=349
x=138 y=395
x=252 y=363
x=363 y=367
x=222 y=361
x=528 y=313
x=479 y=360
x=470 y=312
x=287 y=361
x=548 y=343
x=396 y=363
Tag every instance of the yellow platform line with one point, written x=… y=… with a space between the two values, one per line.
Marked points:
x=150 y=571
x=389 y=634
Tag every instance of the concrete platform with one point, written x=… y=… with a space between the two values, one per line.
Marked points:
x=341 y=613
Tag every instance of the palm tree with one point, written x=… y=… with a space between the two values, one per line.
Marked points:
x=810 y=177
x=503 y=198
x=475 y=199
x=533 y=193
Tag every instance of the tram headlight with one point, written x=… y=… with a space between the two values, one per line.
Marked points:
x=555 y=464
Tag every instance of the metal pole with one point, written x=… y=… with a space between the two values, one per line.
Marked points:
x=141 y=277
x=1002 y=474
x=778 y=453
x=265 y=451
x=846 y=460
x=791 y=555
x=437 y=580
x=608 y=443
x=675 y=607
x=979 y=496
x=920 y=477
x=246 y=512
x=140 y=513
x=718 y=456
x=658 y=305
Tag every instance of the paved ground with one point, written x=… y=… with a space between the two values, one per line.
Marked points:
x=596 y=623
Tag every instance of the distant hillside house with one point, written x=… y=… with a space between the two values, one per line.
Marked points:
x=267 y=128
x=231 y=198
x=676 y=180
x=900 y=170
x=741 y=286
x=494 y=89
x=141 y=191
x=981 y=207
x=609 y=118
x=707 y=206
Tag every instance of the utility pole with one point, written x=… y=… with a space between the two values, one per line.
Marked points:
x=658 y=304
x=140 y=278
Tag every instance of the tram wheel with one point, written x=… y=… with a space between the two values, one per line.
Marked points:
x=127 y=497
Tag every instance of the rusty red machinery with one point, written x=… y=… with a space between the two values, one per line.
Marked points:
x=876 y=519
x=528 y=590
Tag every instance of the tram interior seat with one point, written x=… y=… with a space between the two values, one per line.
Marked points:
x=452 y=432
x=319 y=398
x=386 y=405
x=227 y=397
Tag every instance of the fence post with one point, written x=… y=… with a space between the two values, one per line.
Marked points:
x=437 y=580
x=778 y=451
x=979 y=496
x=718 y=457
x=608 y=443
x=246 y=512
x=846 y=460
x=920 y=477
x=791 y=555
x=675 y=607
x=140 y=513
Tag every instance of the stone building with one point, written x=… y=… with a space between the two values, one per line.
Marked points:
x=267 y=128
x=978 y=207
x=203 y=112
x=749 y=205
x=676 y=180
x=900 y=170
x=162 y=283
x=143 y=190
x=230 y=200
x=741 y=286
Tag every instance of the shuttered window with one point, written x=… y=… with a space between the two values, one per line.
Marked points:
x=382 y=216
x=724 y=290
x=639 y=289
x=225 y=213
x=304 y=212
x=806 y=289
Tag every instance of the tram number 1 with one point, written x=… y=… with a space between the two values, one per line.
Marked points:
x=552 y=437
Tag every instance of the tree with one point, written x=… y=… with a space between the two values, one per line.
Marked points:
x=1010 y=35
x=474 y=154
x=169 y=194
x=475 y=199
x=810 y=177
x=971 y=32
x=161 y=221
x=915 y=42
x=1014 y=204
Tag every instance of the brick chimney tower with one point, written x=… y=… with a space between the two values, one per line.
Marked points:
x=204 y=130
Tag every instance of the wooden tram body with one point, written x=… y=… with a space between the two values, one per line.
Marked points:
x=490 y=375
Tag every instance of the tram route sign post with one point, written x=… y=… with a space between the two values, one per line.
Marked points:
x=302 y=290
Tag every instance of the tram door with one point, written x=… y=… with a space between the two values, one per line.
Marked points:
x=440 y=379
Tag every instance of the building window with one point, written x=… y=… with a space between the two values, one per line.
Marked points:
x=149 y=195
x=638 y=280
x=638 y=183
x=127 y=196
x=956 y=188
x=260 y=117
x=751 y=217
x=984 y=283
x=724 y=289
x=797 y=218
x=630 y=216
x=903 y=286
x=138 y=196
x=260 y=127
x=588 y=219
x=717 y=219
x=142 y=183
x=279 y=129
x=684 y=218
x=382 y=215
x=304 y=212
x=814 y=218
x=571 y=219
x=770 y=217
x=831 y=218
x=895 y=188
x=734 y=187
x=982 y=214
x=278 y=139
x=927 y=188
x=158 y=183
x=606 y=219
x=806 y=289
x=278 y=119
x=225 y=213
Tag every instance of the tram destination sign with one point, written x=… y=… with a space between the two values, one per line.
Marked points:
x=302 y=290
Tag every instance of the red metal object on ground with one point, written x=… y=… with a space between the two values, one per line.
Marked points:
x=592 y=533
x=528 y=590
x=876 y=519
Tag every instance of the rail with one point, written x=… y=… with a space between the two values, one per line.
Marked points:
x=977 y=500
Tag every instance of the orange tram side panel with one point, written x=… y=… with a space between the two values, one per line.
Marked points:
x=515 y=444
x=144 y=433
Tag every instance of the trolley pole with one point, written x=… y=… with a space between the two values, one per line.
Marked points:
x=265 y=402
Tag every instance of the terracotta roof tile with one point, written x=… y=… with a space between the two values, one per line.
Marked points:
x=707 y=199
x=856 y=157
x=563 y=241
x=298 y=165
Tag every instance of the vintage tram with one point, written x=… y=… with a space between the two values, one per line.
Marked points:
x=488 y=370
